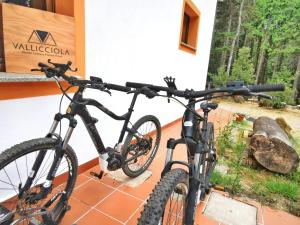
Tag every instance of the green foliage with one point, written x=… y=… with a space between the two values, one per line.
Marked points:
x=218 y=178
x=269 y=25
x=243 y=67
x=284 y=76
x=287 y=189
x=295 y=177
x=224 y=139
x=220 y=78
x=238 y=149
x=266 y=187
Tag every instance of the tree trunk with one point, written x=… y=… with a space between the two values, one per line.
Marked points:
x=272 y=148
x=246 y=39
x=224 y=53
x=296 y=85
x=261 y=59
x=256 y=53
x=235 y=38
x=264 y=69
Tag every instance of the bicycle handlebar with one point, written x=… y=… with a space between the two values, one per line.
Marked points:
x=244 y=90
x=59 y=70
x=266 y=87
x=117 y=87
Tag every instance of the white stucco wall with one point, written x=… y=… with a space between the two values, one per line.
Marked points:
x=125 y=41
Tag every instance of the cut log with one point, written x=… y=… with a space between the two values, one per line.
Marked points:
x=272 y=148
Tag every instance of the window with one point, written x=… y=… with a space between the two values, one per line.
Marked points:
x=189 y=27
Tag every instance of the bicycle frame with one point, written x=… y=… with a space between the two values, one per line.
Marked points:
x=192 y=136
x=78 y=107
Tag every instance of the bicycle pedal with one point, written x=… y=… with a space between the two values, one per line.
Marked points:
x=219 y=187
x=98 y=175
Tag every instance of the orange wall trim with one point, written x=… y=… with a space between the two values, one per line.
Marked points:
x=30 y=89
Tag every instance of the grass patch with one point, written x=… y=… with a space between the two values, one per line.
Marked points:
x=295 y=177
x=228 y=181
x=284 y=188
x=218 y=178
x=279 y=191
x=224 y=139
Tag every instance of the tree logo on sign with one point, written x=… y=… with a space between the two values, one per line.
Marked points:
x=41 y=37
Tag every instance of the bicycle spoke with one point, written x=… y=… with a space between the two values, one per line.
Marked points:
x=18 y=172
x=26 y=166
x=41 y=171
x=10 y=181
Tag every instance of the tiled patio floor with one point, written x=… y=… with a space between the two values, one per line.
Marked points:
x=108 y=202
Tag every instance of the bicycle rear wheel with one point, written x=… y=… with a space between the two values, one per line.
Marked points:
x=15 y=167
x=167 y=202
x=141 y=146
x=211 y=158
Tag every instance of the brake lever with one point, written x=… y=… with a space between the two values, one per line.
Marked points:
x=75 y=70
x=130 y=92
x=64 y=66
x=36 y=70
x=107 y=91
x=101 y=87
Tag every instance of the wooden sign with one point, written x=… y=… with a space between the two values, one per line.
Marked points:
x=32 y=36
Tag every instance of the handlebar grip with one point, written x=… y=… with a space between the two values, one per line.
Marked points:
x=136 y=85
x=266 y=87
x=148 y=92
x=118 y=87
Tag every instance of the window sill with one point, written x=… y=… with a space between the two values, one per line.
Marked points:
x=188 y=48
x=19 y=77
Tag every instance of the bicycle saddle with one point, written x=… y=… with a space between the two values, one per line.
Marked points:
x=208 y=105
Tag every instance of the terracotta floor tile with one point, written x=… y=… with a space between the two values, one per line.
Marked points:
x=142 y=191
x=134 y=219
x=110 y=182
x=95 y=217
x=78 y=208
x=124 y=207
x=204 y=220
x=81 y=179
x=105 y=179
x=119 y=205
x=92 y=192
x=276 y=217
x=158 y=163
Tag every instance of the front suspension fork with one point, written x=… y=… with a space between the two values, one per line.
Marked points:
x=59 y=152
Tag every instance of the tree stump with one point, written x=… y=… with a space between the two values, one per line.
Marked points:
x=272 y=148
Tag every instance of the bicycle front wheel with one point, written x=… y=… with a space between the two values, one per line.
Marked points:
x=16 y=166
x=140 y=147
x=167 y=202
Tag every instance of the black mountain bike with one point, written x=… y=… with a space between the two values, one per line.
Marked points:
x=37 y=176
x=175 y=198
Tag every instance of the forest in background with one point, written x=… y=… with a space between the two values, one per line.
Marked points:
x=258 y=41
